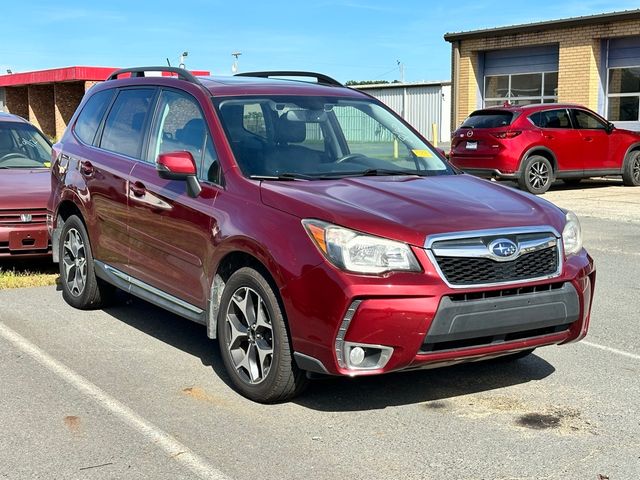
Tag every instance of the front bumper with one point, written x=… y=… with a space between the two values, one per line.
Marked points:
x=24 y=241
x=427 y=324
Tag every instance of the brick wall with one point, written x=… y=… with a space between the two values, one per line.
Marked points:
x=67 y=99
x=41 y=108
x=579 y=61
x=17 y=101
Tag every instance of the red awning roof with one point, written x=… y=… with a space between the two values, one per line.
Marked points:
x=66 y=74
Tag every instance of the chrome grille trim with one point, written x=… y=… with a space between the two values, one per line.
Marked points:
x=471 y=246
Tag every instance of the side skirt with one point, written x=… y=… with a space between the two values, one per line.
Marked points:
x=149 y=293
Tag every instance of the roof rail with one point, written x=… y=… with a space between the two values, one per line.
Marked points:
x=320 y=78
x=140 y=72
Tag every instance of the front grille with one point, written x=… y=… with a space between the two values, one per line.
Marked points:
x=14 y=217
x=472 y=271
x=508 y=292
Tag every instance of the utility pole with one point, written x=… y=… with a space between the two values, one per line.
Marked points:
x=234 y=66
x=401 y=68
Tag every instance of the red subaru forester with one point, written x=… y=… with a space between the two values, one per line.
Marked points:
x=536 y=144
x=308 y=227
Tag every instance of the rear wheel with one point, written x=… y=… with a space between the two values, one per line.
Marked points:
x=254 y=342
x=80 y=286
x=537 y=175
x=631 y=169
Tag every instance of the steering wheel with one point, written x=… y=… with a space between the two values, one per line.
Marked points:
x=351 y=156
x=10 y=156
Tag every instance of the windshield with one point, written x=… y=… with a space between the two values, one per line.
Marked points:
x=289 y=137
x=488 y=119
x=23 y=146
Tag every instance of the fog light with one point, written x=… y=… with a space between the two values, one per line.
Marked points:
x=356 y=356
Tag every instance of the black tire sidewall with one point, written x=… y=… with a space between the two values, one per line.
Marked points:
x=281 y=361
x=627 y=171
x=523 y=180
x=86 y=299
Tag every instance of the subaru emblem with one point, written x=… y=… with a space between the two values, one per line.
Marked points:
x=503 y=248
x=25 y=217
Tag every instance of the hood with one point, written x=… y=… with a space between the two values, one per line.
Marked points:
x=409 y=209
x=24 y=188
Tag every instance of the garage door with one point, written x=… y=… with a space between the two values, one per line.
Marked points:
x=520 y=75
x=623 y=82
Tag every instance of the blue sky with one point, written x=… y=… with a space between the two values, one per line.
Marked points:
x=350 y=40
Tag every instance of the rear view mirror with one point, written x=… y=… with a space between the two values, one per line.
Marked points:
x=307 y=116
x=179 y=166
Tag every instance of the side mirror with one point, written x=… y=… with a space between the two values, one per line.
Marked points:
x=610 y=127
x=179 y=166
x=441 y=152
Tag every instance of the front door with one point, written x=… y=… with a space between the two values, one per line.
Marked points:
x=594 y=149
x=170 y=233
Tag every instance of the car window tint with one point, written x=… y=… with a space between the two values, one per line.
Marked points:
x=91 y=115
x=586 y=120
x=253 y=119
x=181 y=127
x=124 y=128
x=552 y=119
x=488 y=119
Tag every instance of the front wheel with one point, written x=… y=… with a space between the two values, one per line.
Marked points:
x=254 y=342
x=80 y=286
x=536 y=176
x=631 y=169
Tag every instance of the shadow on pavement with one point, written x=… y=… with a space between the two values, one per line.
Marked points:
x=28 y=266
x=339 y=393
x=586 y=184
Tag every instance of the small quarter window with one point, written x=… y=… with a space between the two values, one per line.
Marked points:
x=91 y=115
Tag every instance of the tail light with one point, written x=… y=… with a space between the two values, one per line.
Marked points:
x=510 y=134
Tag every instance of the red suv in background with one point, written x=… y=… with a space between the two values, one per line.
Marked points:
x=25 y=184
x=308 y=227
x=536 y=144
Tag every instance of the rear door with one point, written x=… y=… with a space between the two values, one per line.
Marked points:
x=558 y=135
x=594 y=149
x=170 y=232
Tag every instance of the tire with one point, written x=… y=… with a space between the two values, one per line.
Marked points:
x=571 y=181
x=631 y=169
x=80 y=286
x=537 y=175
x=250 y=321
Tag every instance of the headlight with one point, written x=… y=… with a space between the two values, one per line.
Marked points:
x=572 y=235
x=358 y=252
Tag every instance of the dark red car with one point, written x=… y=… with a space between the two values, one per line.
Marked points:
x=536 y=144
x=25 y=185
x=308 y=227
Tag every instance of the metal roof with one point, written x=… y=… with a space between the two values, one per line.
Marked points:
x=546 y=25
x=369 y=86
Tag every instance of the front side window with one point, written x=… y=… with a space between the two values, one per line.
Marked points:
x=551 y=119
x=23 y=146
x=124 y=128
x=325 y=137
x=181 y=127
x=520 y=89
x=588 y=121
x=623 y=95
x=91 y=115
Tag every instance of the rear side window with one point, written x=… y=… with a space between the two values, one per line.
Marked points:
x=488 y=119
x=91 y=116
x=551 y=119
x=124 y=129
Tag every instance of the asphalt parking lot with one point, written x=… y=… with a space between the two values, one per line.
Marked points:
x=134 y=392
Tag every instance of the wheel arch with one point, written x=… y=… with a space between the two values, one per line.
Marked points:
x=69 y=205
x=541 y=151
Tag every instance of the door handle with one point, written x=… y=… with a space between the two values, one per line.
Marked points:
x=587 y=139
x=86 y=168
x=138 y=189
x=549 y=137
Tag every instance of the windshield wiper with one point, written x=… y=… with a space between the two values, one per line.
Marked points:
x=381 y=172
x=284 y=176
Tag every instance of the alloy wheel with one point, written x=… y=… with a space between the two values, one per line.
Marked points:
x=249 y=335
x=539 y=175
x=75 y=262
x=635 y=169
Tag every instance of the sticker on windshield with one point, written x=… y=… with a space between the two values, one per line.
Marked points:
x=422 y=153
